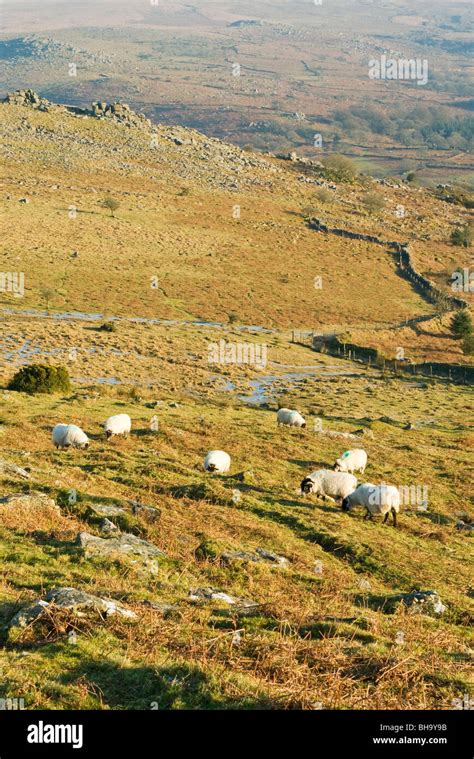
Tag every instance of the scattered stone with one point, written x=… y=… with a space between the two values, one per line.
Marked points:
x=12 y=469
x=260 y=554
x=106 y=510
x=77 y=601
x=149 y=513
x=167 y=610
x=420 y=602
x=108 y=527
x=123 y=545
x=365 y=432
x=32 y=500
x=466 y=526
x=211 y=594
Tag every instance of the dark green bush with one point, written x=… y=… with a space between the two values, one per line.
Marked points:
x=108 y=327
x=38 y=378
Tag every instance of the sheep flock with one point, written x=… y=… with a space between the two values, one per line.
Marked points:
x=337 y=484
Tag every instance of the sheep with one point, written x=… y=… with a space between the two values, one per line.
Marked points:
x=119 y=424
x=352 y=461
x=377 y=499
x=328 y=484
x=217 y=461
x=69 y=435
x=290 y=418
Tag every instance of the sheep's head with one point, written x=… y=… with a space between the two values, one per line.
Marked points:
x=85 y=445
x=108 y=434
x=337 y=466
x=346 y=504
x=303 y=424
x=307 y=485
x=211 y=467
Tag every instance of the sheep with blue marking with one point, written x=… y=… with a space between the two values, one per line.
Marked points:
x=69 y=436
x=376 y=499
x=352 y=461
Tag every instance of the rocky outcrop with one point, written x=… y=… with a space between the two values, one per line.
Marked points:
x=124 y=545
x=76 y=601
x=30 y=501
x=120 y=112
x=30 y=99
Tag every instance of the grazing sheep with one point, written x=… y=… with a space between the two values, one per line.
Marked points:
x=119 y=424
x=377 y=499
x=69 y=436
x=217 y=461
x=328 y=484
x=352 y=461
x=290 y=418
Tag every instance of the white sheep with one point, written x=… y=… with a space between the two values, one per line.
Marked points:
x=351 y=461
x=290 y=418
x=328 y=484
x=217 y=461
x=69 y=436
x=376 y=499
x=119 y=424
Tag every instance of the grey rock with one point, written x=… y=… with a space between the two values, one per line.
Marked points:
x=108 y=527
x=13 y=469
x=149 y=513
x=259 y=555
x=33 y=500
x=68 y=598
x=123 y=545
x=106 y=510
x=420 y=601
x=211 y=594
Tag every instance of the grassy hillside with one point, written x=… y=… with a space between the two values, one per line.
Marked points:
x=325 y=630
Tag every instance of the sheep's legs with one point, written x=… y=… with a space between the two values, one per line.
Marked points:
x=385 y=517
x=394 y=516
x=368 y=515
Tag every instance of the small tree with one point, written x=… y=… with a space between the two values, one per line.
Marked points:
x=373 y=202
x=442 y=306
x=462 y=236
x=111 y=204
x=461 y=324
x=338 y=168
x=47 y=294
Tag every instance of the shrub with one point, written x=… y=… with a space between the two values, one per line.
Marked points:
x=462 y=236
x=373 y=202
x=468 y=345
x=108 y=327
x=323 y=195
x=461 y=324
x=338 y=168
x=38 y=378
